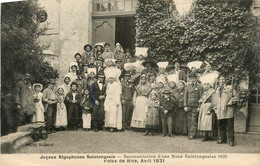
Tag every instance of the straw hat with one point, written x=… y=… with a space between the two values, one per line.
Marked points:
x=38 y=84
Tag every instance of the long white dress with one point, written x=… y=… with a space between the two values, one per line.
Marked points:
x=61 y=115
x=39 y=109
x=112 y=105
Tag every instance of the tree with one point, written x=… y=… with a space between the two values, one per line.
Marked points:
x=149 y=12
x=21 y=51
x=222 y=32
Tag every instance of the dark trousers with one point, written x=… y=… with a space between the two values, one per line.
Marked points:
x=80 y=121
x=226 y=129
x=51 y=116
x=127 y=112
x=167 y=124
x=192 y=120
x=98 y=116
x=73 y=115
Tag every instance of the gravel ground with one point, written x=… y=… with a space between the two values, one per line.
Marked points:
x=135 y=142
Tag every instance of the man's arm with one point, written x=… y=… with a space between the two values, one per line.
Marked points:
x=45 y=96
x=17 y=93
x=186 y=97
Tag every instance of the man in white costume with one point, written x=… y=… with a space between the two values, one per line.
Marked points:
x=112 y=105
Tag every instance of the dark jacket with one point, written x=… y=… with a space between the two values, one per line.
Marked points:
x=86 y=102
x=169 y=105
x=179 y=95
x=23 y=95
x=81 y=84
x=100 y=69
x=98 y=92
x=85 y=57
x=69 y=98
x=127 y=90
x=192 y=95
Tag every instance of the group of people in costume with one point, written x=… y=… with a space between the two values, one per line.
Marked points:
x=115 y=91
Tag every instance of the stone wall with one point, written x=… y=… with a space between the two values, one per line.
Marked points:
x=69 y=29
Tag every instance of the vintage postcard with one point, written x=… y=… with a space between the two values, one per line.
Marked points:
x=124 y=82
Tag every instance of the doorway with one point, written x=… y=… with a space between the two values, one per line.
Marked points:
x=125 y=32
x=115 y=30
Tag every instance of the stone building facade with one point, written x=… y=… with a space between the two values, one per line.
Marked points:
x=74 y=23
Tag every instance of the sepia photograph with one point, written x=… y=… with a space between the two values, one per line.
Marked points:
x=153 y=81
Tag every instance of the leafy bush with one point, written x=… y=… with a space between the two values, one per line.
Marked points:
x=21 y=51
x=224 y=33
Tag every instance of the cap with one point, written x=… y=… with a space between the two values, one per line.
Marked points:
x=101 y=74
x=100 y=44
x=192 y=75
x=127 y=50
x=119 y=61
x=127 y=73
x=166 y=91
x=106 y=44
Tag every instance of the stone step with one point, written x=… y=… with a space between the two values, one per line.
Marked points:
x=30 y=127
x=14 y=141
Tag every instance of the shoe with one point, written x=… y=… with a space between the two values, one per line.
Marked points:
x=111 y=130
x=231 y=144
x=171 y=136
x=221 y=142
x=146 y=133
x=164 y=135
x=191 y=138
x=204 y=139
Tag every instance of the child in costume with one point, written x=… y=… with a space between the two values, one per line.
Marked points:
x=86 y=103
x=152 y=113
x=61 y=115
x=39 y=108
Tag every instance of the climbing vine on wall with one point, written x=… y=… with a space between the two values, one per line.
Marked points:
x=224 y=33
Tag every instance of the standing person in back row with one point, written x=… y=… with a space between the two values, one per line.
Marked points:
x=225 y=96
x=192 y=95
x=87 y=54
x=107 y=54
x=119 y=52
x=181 y=75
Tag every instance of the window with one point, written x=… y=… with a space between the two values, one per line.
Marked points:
x=114 y=6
